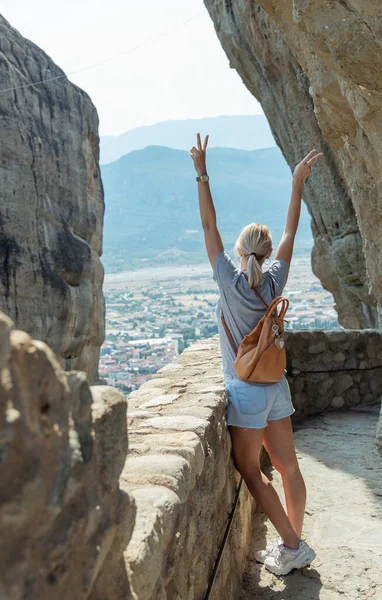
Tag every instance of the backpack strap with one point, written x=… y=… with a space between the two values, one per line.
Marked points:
x=228 y=333
x=262 y=300
x=258 y=294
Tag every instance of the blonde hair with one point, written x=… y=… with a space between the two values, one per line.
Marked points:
x=255 y=242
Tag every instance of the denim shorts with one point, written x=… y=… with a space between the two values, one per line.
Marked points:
x=252 y=406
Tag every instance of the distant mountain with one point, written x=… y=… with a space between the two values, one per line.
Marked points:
x=152 y=212
x=243 y=132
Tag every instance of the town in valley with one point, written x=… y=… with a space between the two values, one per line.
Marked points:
x=153 y=314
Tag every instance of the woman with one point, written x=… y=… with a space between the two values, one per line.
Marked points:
x=258 y=414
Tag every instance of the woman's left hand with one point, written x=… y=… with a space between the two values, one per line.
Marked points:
x=198 y=155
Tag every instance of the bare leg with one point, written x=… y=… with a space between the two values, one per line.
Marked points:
x=246 y=445
x=279 y=443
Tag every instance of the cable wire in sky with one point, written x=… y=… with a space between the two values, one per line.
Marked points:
x=105 y=60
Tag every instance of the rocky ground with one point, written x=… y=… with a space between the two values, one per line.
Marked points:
x=343 y=523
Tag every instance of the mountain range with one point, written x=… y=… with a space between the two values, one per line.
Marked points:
x=152 y=213
x=244 y=132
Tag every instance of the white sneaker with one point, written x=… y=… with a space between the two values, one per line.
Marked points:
x=282 y=560
x=261 y=555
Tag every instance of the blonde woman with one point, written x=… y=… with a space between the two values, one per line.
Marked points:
x=258 y=414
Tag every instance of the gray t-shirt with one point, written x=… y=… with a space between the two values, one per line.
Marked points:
x=241 y=307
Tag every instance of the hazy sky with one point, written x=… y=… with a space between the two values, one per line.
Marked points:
x=184 y=74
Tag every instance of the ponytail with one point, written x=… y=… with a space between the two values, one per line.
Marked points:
x=254 y=242
x=255 y=273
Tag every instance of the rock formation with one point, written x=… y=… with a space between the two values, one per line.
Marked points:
x=64 y=520
x=51 y=206
x=315 y=67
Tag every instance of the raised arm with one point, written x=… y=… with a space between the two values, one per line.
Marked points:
x=300 y=174
x=212 y=238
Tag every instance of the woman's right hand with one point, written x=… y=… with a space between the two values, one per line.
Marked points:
x=303 y=169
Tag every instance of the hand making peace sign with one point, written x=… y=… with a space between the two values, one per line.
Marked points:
x=303 y=169
x=198 y=155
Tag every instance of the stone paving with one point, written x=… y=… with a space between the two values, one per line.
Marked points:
x=342 y=469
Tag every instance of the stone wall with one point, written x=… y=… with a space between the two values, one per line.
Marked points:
x=181 y=474
x=333 y=369
x=314 y=67
x=51 y=206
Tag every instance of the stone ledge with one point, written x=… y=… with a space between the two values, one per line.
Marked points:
x=180 y=469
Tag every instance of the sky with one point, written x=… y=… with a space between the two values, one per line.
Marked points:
x=180 y=70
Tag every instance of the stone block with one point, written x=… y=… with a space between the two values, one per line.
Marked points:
x=345 y=346
x=171 y=471
x=110 y=427
x=337 y=336
x=160 y=400
x=337 y=402
x=180 y=423
x=138 y=449
x=145 y=393
x=317 y=348
x=322 y=402
x=326 y=385
x=376 y=383
x=157 y=381
x=305 y=335
x=368 y=399
x=201 y=412
x=141 y=414
x=373 y=346
x=353 y=398
x=339 y=357
x=145 y=555
x=183 y=443
x=170 y=367
x=350 y=362
x=342 y=382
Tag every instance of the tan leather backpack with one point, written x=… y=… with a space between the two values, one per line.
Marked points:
x=261 y=356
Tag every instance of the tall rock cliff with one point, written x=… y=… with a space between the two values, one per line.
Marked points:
x=315 y=67
x=51 y=206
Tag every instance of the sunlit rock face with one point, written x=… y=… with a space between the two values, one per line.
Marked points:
x=51 y=206
x=315 y=67
x=64 y=519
